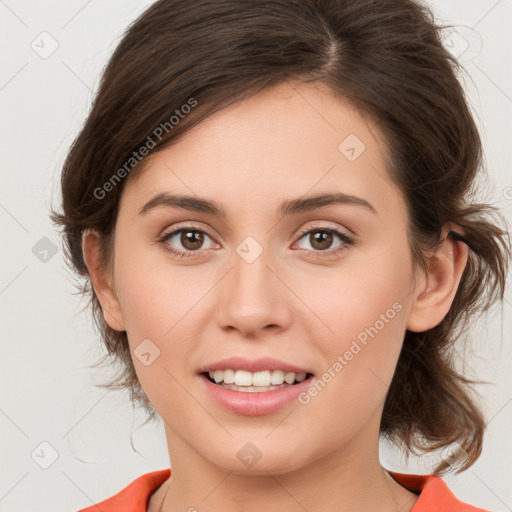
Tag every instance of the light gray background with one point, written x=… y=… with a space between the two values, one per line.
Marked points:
x=48 y=342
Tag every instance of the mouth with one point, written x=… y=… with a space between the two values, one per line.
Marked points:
x=255 y=382
x=254 y=387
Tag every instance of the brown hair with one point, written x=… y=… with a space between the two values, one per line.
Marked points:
x=386 y=59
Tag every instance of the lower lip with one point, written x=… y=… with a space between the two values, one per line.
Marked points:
x=254 y=403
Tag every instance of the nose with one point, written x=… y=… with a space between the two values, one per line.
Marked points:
x=254 y=297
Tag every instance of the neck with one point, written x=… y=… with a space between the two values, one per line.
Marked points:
x=341 y=481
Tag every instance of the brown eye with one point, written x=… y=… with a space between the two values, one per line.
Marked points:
x=192 y=240
x=184 y=242
x=321 y=241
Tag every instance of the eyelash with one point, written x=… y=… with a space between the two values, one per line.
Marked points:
x=348 y=241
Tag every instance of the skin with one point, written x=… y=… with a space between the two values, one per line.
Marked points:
x=287 y=304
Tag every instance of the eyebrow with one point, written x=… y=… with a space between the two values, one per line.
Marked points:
x=287 y=207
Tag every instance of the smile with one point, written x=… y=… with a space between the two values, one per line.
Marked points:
x=261 y=381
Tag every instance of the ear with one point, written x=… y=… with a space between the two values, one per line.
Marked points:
x=434 y=296
x=101 y=282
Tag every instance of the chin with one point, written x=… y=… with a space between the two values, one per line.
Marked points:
x=259 y=458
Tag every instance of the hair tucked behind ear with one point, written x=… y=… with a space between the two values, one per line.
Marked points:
x=428 y=405
x=386 y=59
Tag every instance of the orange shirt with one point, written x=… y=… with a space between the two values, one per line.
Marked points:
x=434 y=494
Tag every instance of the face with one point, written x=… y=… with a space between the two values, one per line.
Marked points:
x=279 y=282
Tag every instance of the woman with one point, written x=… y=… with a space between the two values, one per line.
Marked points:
x=270 y=203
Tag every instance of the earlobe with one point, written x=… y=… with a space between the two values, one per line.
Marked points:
x=433 y=297
x=101 y=282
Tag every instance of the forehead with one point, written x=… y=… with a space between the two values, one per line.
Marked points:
x=287 y=141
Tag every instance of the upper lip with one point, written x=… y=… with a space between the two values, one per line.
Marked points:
x=252 y=365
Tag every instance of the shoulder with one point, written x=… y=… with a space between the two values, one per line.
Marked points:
x=135 y=496
x=434 y=494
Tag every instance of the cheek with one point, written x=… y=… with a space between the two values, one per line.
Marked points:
x=162 y=303
x=152 y=296
x=349 y=392
x=158 y=308
x=363 y=310
x=366 y=294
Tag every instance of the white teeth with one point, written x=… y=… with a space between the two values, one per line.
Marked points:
x=277 y=377
x=289 y=377
x=229 y=376
x=261 y=378
x=252 y=389
x=243 y=378
x=264 y=378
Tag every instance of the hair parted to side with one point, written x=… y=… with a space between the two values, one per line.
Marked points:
x=386 y=59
